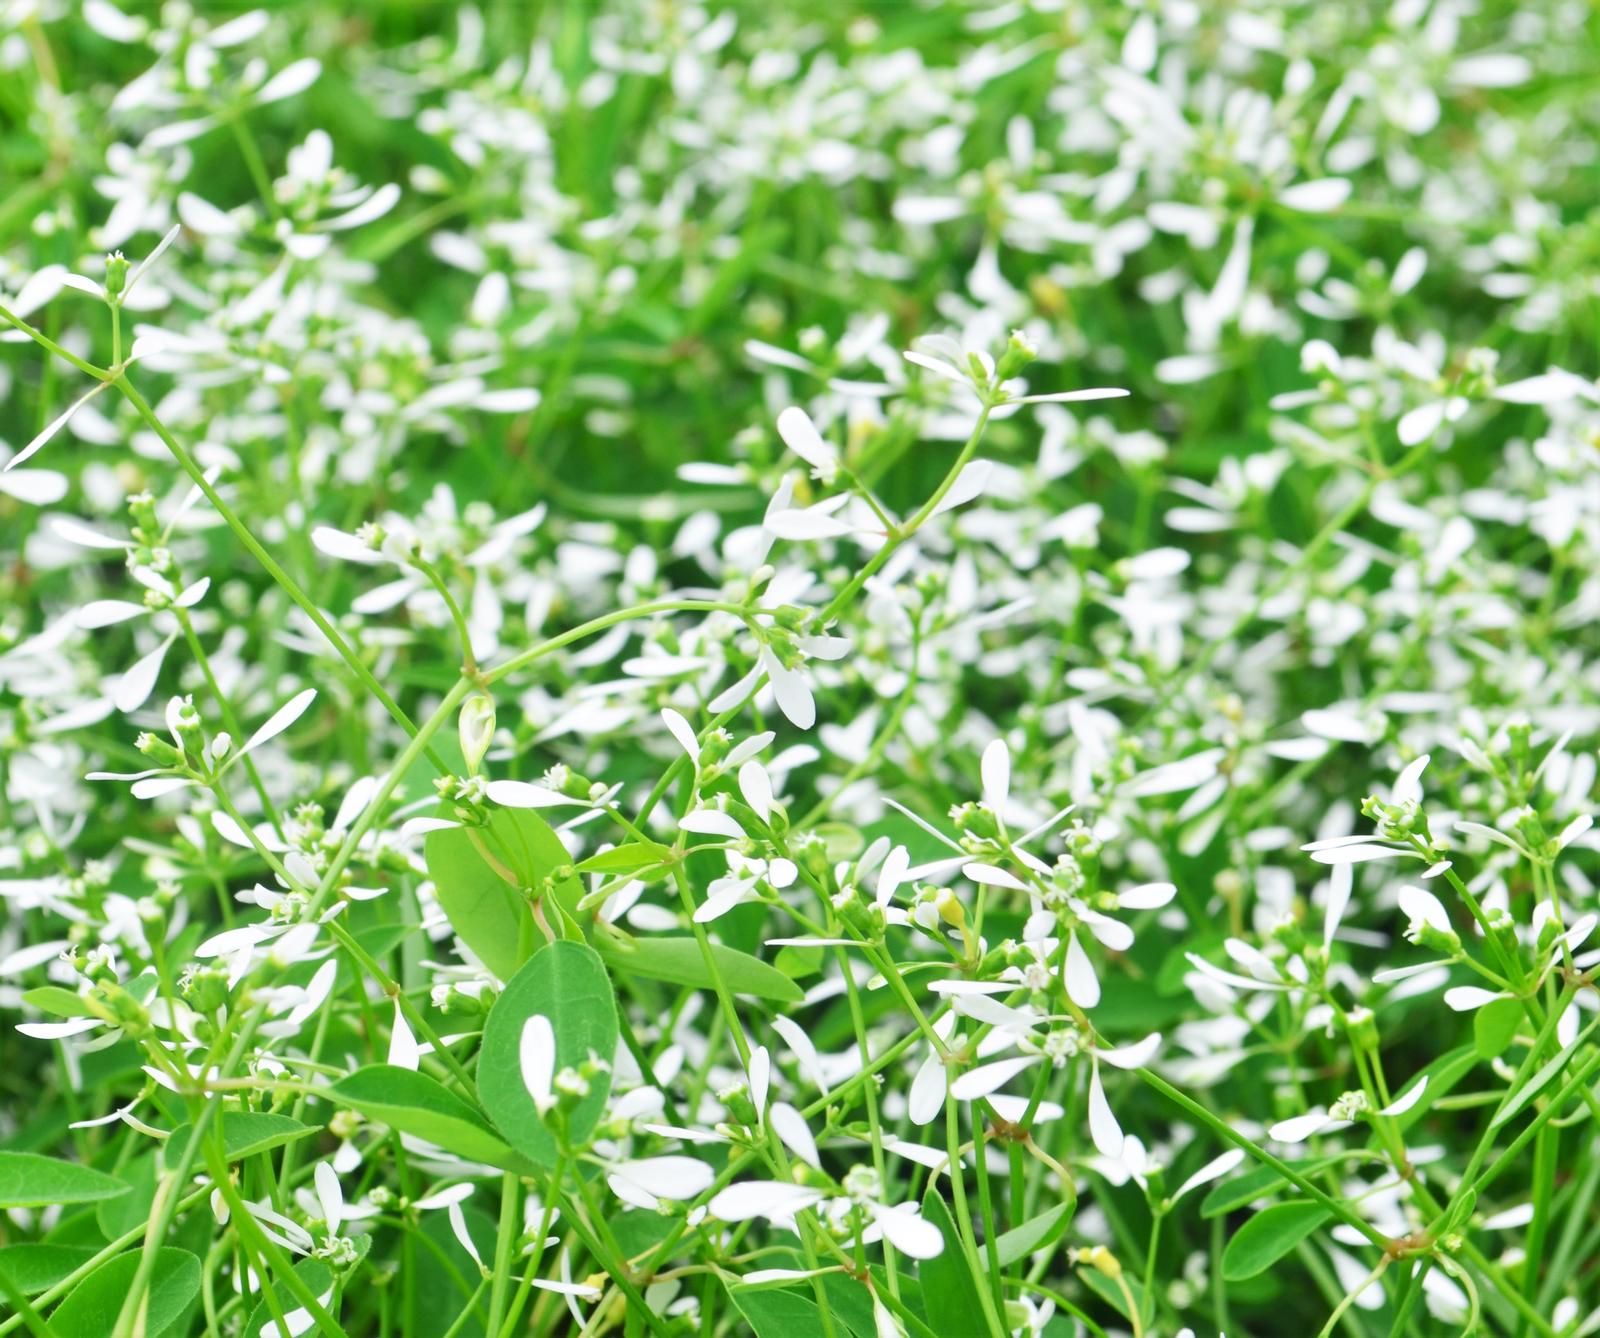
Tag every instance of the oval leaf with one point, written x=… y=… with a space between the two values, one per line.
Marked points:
x=948 y=1288
x=244 y=1133
x=567 y=983
x=680 y=961
x=1270 y=1235
x=468 y=867
x=415 y=1104
x=28 y=1180
x=91 y=1308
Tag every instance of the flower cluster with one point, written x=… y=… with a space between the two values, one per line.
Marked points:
x=881 y=670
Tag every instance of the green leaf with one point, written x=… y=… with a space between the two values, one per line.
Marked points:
x=567 y=983
x=37 y=1266
x=680 y=961
x=796 y=962
x=28 y=1180
x=1035 y=1233
x=91 y=1308
x=118 y=1216
x=1256 y=1183
x=1443 y=1075
x=57 y=1001
x=244 y=1133
x=318 y=1278
x=778 y=1312
x=627 y=858
x=1494 y=1025
x=948 y=1287
x=1270 y=1235
x=1111 y=1294
x=1537 y=1083
x=489 y=913
x=415 y=1104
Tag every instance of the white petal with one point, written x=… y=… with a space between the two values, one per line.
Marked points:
x=1465 y=998
x=537 y=1057
x=133 y=689
x=291 y=79
x=927 y=1090
x=892 y=874
x=282 y=718
x=793 y=695
x=803 y=525
x=1424 y=906
x=1147 y=896
x=522 y=794
x=1083 y=986
x=993 y=877
x=99 y=613
x=986 y=1078
x=712 y=822
x=1212 y=1170
x=1420 y=423
x=969 y=484
x=458 y=1224
x=772 y=1199
x=1300 y=1128
x=329 y=1195
x=683 y=732
x=55 y=425
x=403 y=1050
x=790 y=1126
x=800 y=435
x=338 y=544
x=1339 y=885
x=756 y=787
x=669 y=1177
x=906 y=1229
x=1401 y=1104
x=1134 y=1056
x=1103 y=1126
x=760 y=1074
x=996 y=771
x=1316 y=197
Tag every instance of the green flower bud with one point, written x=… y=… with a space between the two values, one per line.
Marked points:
x=116 y=273
x=476 y=725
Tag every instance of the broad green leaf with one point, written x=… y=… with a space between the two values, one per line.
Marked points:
x=489 y=913
x=59 y=1002
x=796 y=962
x=1270 y=1235
x=415 y=1104
x=680 y=961
x=91 y=1308
x=948 y=1287
x=1035 y=1233
x=1256 y=1183
x=244 y=1133
x=28 y=1180
x=567 y=983
x=1111 y=1294
x=126 y=1212
x=1494 y=1025
x=627 y=858
x=778 y=1312
x=318 y=1278
x=37 y=1266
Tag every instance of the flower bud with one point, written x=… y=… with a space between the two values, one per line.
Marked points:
x=116 y=273
x=476 y=724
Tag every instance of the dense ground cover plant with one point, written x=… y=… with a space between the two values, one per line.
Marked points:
x=832 y=670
